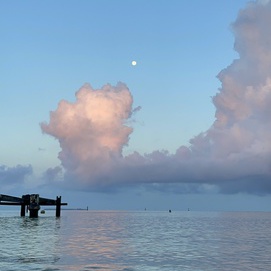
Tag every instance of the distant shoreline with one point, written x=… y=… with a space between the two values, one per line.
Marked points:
x=67 y=209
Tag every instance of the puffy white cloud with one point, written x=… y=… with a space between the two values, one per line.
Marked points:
x=92 y=131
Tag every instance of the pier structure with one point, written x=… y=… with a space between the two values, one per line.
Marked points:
x=32 y=203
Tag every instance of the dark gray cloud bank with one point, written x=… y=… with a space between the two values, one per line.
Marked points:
x=13 y=177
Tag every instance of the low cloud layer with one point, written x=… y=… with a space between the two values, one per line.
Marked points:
x=11 y=177
x=233 y=155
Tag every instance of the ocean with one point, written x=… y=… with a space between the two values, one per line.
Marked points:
x=136 y=241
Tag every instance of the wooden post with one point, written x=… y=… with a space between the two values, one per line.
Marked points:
x=23 y=205
x=22 y=209
x=58 y=206
x=33 y=213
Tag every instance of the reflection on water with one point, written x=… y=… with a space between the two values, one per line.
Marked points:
x=28 y=244
x=137 y=241
x=99 y=242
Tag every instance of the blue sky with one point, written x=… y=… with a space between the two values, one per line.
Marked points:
x=50 y=49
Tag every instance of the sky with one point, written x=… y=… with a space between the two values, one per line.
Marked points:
x=188 y=126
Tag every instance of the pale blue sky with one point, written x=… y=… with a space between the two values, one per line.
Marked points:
x=49 y=49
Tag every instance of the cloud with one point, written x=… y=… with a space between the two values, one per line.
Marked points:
x=14 y=176
x=92 y=131
x=233 y=155
x=53 y=174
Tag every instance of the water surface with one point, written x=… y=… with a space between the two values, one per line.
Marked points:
x=136 y=241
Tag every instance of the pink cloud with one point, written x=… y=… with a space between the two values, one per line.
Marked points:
x=92 y=131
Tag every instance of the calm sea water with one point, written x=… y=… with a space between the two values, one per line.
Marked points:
x=136 y=241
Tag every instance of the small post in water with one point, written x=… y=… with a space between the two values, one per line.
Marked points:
x=58 y=206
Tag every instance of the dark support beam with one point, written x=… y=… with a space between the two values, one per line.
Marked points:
x=23 y=210
x=33 y=213
x=10 y=198
x=24 y=202
x=58 y=206
x=10 y=203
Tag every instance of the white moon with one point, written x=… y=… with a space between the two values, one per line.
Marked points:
x=133 y=62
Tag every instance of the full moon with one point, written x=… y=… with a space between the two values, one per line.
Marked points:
x=133 y=62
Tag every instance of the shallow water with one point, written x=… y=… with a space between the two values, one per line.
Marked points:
x=136 y=241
